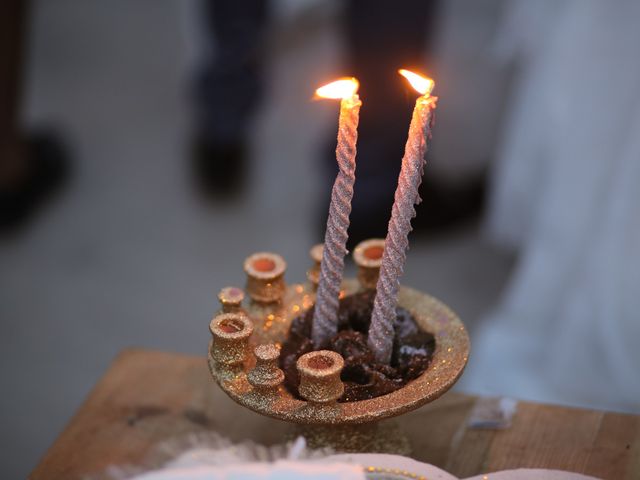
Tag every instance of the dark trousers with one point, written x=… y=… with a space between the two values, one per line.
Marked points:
x=230 y=83
x=381 y=37
x=13 y=14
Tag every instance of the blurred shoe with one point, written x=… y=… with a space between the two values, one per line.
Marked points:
x=45 y=170
x=219 y=170
x=446 y=206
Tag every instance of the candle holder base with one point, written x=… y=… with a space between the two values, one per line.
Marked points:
x=346 y=426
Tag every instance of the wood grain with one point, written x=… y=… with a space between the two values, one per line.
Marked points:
x=148 y=397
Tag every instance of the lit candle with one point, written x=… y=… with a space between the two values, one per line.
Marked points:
x=381 y=332
x=325 y=316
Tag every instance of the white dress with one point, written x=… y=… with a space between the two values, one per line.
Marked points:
x=566 y=193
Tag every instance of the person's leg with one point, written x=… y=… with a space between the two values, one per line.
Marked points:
x=32 y=165
x=228 y=89
x=381 y=38
x=12 y=26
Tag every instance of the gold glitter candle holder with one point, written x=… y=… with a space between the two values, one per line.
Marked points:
x=230 y=299
x=266 y=377
x=320 y=376
x=313 y=274
x=346 y=426
x=368 y=257
x=265 y=277
x=231 y=332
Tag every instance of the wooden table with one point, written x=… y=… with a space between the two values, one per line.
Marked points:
x=149 y=396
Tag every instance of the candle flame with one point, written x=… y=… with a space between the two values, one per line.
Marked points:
x=423 y=85
x=342 y=88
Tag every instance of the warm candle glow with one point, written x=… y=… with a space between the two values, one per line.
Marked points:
x=343 y=88
x=325 y=313
x=394 y=253
x=423 y=85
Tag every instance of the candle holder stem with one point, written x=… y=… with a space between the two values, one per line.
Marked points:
x=376 y=437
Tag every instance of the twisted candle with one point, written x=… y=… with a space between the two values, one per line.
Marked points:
x=325 y=316
x=381 y=333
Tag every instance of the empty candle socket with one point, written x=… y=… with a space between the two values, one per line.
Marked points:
x=368 y=258
x=231 y=332
x=320 y=376
x=231 y=299
x=265 y=276
x=266 y=376
x=313 y=274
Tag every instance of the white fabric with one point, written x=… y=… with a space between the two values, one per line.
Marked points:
x=336 y=467
x=532 y=474
x=281 y=470
x=567 y=193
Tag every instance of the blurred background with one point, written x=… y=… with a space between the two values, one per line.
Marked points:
x=148 y=147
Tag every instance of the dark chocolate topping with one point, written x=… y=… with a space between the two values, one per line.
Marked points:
x=363 y=377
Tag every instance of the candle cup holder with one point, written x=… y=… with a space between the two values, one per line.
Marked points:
x=230 y=299
x=266 y=377
x=368 y=258
x=313 y=274
x=265 y=277
x=320 y=376
x=346 y=426
x=231 y=332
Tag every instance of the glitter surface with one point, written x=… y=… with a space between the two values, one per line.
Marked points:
x=313 y=274
x=265 y=276
x=320 y=376
x=335 y=239
x=449 y=360
x=368 y=263
x=397 y=242
x=379 y=437
x=231 y=332
x=266 y=376
x=230 y=299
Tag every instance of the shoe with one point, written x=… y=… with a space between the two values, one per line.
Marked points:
x=446 y=206
x=219 y=169
x=47 y=171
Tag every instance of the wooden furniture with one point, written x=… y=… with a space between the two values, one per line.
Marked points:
x=149 y=396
